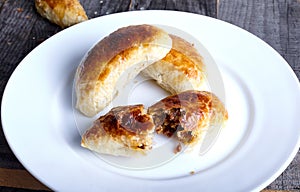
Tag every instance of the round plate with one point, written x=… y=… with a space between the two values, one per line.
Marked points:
x=262 y=98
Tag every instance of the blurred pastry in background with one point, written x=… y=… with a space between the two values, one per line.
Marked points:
x=61 y=12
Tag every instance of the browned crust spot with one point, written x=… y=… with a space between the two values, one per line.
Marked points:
x=123 y=122
x=60 y=3
x=184 y=57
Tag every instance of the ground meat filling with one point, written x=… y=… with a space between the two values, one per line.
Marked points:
x=184 y=115
x=170 y=123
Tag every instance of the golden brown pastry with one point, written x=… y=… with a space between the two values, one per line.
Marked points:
x=182 y=69
x=114 y=61
x=123 y=131
x=188 y=115
x=61 y=12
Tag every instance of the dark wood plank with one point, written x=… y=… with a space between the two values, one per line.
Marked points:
x=22 y=29
x=1 y=4
x=203 y=7
x=7 y=158
x=104 y=7
x=292 y=50
x=278 y=24
x=290 y=178
x=99 y=8
x=17 y=19
x=14 y=29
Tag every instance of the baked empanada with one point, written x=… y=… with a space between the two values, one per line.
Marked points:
x=115 y=60
x=61 y=12
x=188 y=115
x=123 y=131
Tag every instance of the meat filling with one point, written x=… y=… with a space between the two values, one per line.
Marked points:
x=185 y=116
x=171 y=123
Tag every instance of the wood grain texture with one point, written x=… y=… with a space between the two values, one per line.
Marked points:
x=22 y=29
x=292 y=51
x=20 y=179
x=12 y=18
x=20 y=33
x=203 y=7
x=278 y=24
x=105 y=7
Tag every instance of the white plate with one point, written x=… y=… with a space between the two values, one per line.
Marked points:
x=262 y=97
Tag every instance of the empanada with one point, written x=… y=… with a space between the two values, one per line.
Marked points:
x=61 y=12
x=123 y=131
x=188 y=115
x=115 y=60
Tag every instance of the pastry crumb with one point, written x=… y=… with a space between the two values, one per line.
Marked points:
x=19 y=9
x=192 y=172
x=178 y=148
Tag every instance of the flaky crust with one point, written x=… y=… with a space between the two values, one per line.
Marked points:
x=123 y=131
x=182 y=69
x=188 y=115
x=124 y=53
x=61 y=12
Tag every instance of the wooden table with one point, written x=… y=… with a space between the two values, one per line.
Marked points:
x=21 y=29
